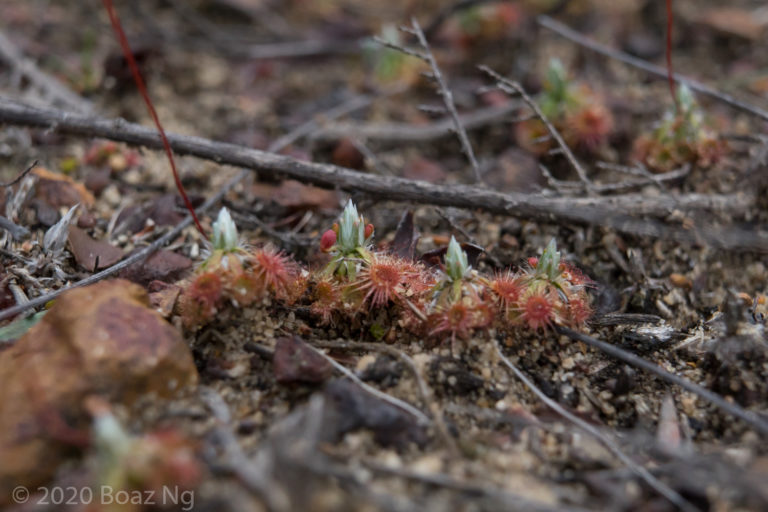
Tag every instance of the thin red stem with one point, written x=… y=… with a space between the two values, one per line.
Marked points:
x=117 y=27
x=670 y=69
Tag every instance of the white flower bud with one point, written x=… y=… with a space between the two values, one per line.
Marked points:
x=225 y=236
x=351 y=229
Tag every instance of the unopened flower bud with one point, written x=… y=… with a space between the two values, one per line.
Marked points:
x=225 y=236
x=456 y=264
x=328 y=240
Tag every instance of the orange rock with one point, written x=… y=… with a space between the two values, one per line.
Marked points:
x=101 y=339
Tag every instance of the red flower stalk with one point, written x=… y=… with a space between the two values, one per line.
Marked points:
x=118 y=29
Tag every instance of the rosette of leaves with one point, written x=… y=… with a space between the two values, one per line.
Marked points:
x=684 y=136
x=349 y=248
x=573 y=108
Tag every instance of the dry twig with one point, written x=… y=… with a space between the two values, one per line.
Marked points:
x=409 y=133
x=249 y=473
x=608 y=442
x=168 y=237
x=442 y=87
x=569 y=33
x=20 y=176
x=400 y=404
x=515 y=89
x=427 y=397
x=757 y=422
x=615 y=211
x=501 y=499
x=50 y=87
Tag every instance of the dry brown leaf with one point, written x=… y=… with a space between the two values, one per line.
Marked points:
x=92 y=254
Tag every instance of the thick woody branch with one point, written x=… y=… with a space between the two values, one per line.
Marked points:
x=617 y=212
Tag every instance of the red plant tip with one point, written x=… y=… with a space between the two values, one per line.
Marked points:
x=537 y=311
x=533 y=261
x=274 y=271
x=384 y=279
x=328 y=240
x=368 y=231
